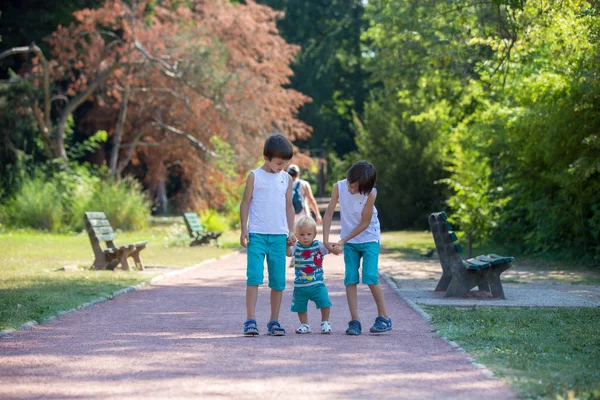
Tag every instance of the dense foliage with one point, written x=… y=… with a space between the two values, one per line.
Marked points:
x=487 y=109
x=496 y=102
x=329 y=68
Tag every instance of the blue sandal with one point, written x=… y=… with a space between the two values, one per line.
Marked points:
x=275 y=329
x=381 y=324
x=354 y=328
x=250 y=328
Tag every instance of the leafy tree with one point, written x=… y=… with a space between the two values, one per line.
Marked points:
x=506 y=93
x=421 y=56
x=163 y=78
x=329 y=68
x=26 y=21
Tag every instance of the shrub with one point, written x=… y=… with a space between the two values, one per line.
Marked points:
x=57 y=203
x=37 y=204
x=123 y=202
x=213 y=221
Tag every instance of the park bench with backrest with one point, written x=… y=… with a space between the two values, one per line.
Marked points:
x=460 y=276
x=196 y=231
x=99 y=230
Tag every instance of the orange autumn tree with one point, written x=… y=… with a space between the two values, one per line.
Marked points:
x=177 y=75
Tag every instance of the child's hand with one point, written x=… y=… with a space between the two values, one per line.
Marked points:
x=291 y=240
x=319 y=219
x=334 y=248
x=244 y=239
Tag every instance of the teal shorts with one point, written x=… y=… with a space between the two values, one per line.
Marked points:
x=273 y=248
x=316 y=293
x=369 y=252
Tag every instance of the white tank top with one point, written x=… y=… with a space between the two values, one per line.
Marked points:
x=351 y=209
x=267 y=212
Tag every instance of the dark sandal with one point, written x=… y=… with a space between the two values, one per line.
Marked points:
x=275 y=329
x=250 y=328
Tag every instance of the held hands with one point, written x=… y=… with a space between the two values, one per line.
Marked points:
x=335 y=248
x=291 y=240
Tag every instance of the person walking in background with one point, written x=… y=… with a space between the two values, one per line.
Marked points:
x=267 y=226
x=308 y=256
x=360 y=237
x=302 y=195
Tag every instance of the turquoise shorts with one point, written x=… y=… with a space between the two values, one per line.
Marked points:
x=273 y=248
x=316 y=293
x=369 y=252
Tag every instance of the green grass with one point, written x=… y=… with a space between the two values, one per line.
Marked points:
x=542 y=353
x=405 y=244
x=33 y=288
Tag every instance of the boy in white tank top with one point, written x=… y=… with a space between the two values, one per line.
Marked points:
x=267 y=222
x=359 y=238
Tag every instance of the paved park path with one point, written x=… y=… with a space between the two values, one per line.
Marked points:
x=181 y=338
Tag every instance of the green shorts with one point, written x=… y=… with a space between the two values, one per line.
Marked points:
x=369 y=252
x=316 y=293
x=273 y=248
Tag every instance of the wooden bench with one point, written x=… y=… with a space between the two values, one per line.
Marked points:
x=197 y=232
x=460 y=276
x=99 y=230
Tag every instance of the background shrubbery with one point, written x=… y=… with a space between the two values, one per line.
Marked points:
x=56 y=201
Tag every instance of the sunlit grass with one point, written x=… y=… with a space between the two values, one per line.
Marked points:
x=407 y=244
x=33 y=286
x=542 y=353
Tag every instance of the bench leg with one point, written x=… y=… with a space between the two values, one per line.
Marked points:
x=495 y=282
x=444 y=282
x=496 y=287
x=138 y=260
x=459 y=287
x=484 y=285
x=124 y=262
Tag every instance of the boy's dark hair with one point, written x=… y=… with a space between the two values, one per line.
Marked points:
x=364 y=173
x=278 y=146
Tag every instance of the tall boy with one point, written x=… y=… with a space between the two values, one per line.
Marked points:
x=267 y=220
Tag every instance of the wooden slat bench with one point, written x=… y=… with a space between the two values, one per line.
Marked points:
x=99 y=230
x=460 y=276
x=196 y=231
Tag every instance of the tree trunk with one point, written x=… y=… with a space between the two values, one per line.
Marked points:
x=161 y=197
x=114 y=154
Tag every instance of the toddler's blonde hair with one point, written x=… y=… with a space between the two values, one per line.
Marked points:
x=306 y=221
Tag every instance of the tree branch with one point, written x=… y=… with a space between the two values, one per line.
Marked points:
x=147 y=144
x=114 y=154
x=60 y=97
x=194 y=141
x=129 y=154
x=49 y=147
x=76 y=102
x=167 y=68
x=33 y=48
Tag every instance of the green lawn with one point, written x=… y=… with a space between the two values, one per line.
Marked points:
x=542 y=353
x=32 y=286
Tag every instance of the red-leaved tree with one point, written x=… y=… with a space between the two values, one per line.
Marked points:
x=165 y=77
